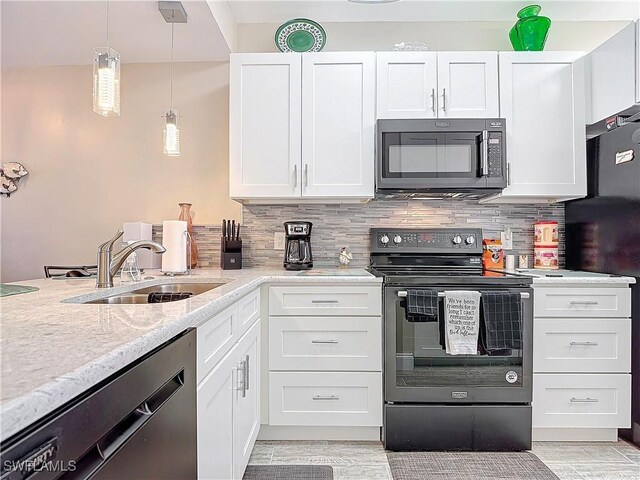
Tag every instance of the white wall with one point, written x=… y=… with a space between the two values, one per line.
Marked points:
x=89 y=174
x=437 y=35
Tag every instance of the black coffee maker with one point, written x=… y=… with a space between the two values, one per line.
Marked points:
x=297 y=249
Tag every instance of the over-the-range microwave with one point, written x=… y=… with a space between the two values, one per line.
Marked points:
x=425 y=158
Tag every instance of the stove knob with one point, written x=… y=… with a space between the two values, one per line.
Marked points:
x=470 y=240
x=384 y=239
x=397 y=239
x=457 y=240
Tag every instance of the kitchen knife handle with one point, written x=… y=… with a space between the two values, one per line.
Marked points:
x=224 y=228
x=233 y=229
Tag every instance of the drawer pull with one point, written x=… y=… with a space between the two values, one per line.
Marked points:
x=584 y=344
x=584 y=400
x=324 y=301
x=325 y=341
x=326 y=397
x=583 y=302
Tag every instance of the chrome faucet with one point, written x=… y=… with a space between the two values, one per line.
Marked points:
x=108 y=266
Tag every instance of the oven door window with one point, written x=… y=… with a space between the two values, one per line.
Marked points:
x=422 y=361
x=431 y=155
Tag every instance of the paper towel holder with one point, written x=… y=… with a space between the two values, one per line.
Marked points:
x=187 y=236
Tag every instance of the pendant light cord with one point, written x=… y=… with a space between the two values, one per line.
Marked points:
x=108 y=44
x=172 y=25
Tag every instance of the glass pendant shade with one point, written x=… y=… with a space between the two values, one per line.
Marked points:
x=106 y=82
x=171 y=134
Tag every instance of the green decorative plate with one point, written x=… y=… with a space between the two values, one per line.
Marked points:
x=300 y=35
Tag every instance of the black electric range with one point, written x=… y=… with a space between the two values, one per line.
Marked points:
x=434 y=400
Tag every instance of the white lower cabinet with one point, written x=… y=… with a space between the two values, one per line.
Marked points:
x=581 y=361
x=325 y=398
x=228 y=392
x=583 y=401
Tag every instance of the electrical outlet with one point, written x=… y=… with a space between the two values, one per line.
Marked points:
x=278 y=240
x=507 y=239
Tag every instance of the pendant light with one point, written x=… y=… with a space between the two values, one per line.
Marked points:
x=106 y=79
x=171 y=127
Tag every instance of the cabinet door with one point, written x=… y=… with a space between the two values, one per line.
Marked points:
x=407 y=85
x=612 y=75
x=216 y=395
x=543 y=101
x=468 y=85
x=246 y=408
x=338 y=95
x=264 y=125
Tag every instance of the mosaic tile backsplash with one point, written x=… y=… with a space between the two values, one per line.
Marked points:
x=336 y=226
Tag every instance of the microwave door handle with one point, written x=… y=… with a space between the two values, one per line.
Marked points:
x=485 y=153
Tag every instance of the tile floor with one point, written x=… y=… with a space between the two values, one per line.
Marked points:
x=368 y=461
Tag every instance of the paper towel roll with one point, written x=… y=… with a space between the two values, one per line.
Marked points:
x=174 y=239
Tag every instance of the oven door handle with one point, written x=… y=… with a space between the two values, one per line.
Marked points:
x=403 y=294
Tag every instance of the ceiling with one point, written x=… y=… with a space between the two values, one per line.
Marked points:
x=36 y=33
x=268 y=11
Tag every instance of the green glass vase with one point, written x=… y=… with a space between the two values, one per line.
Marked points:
x=530 y=31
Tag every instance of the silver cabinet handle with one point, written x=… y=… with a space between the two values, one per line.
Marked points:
x=584 y=344
x=583 y=302
x=324 y=301
x=295 y=175
x=508 y=174
x=246 y=373
x=584 y=400
x=485 y=153
x=444 y=99
x=433 y=100
x=306 y=174
x=326 y=397
x=240 y=382
x=403 y=293
x=325 y=341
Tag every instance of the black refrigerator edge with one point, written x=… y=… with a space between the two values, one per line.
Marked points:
x=603 y=230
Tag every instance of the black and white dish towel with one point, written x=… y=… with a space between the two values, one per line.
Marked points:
x=422 y=305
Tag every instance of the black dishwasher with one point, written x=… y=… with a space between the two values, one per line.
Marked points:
x=140 y=423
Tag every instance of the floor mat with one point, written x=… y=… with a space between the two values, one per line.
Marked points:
x=288 y=472
x=468 y=466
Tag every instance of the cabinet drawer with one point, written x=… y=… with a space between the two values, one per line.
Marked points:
x=589 y=401
x=580 y=345
x=325 y=300
x=582 y=302
x=325 y=343
x=325 y=399
x=215 y=338
x=249 y=311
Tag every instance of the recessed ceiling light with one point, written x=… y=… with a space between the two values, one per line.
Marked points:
x=372 y=2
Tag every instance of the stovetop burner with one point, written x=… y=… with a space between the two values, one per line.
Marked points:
x=433 y=256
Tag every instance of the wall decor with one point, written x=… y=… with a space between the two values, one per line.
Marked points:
x=300 y=35
x=10 y=175
x=530 y=31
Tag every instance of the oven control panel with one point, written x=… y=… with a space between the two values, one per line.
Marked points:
x=436 y=240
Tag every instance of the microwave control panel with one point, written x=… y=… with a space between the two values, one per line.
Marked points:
x=494 y=150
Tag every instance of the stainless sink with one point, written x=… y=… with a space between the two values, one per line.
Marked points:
x=141 y=295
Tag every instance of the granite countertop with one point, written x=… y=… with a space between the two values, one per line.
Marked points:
x=572 y=277
x=53 y=348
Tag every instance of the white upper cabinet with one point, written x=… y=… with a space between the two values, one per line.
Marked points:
x=407 y=85
x=302 y=126
x=437 y=85
x=542 y=98
x=264 y=126
x=338 y=123
x=468 y=85
x=611 y=75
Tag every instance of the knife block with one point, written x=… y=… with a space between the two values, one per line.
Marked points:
x=230 y=254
